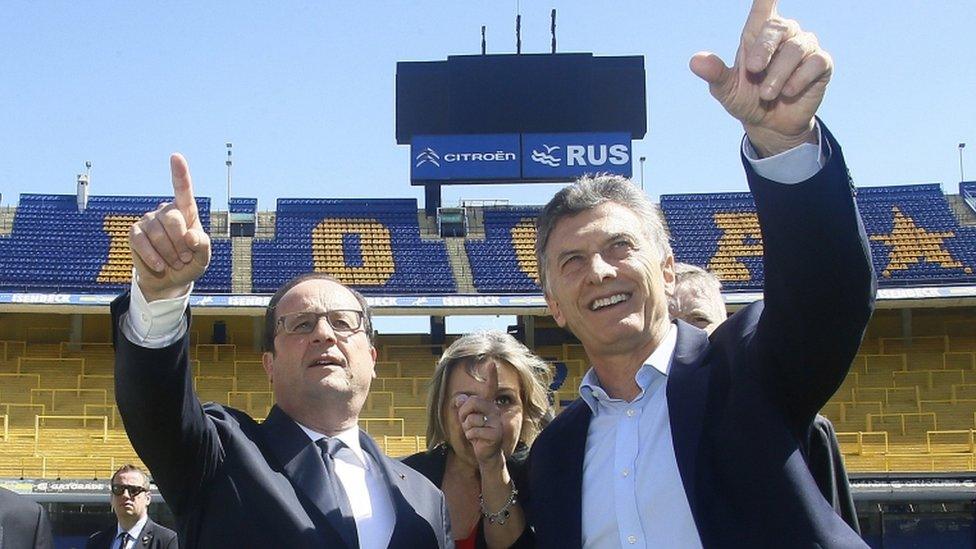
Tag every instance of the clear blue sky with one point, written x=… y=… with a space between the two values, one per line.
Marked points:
x=305 y=90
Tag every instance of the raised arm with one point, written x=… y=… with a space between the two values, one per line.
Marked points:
x=819 y=283
x=154 y=386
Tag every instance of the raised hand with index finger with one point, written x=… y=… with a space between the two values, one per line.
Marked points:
x=480 y=419
x=169 y=247
x=777 y=82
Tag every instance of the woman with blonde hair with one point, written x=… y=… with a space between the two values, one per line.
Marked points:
x=487 y=401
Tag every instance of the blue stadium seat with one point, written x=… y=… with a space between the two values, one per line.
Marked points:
x=374 y=245
x=54 y=247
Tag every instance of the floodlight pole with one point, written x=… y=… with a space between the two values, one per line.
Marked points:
x=962 y=174
x=642 y=159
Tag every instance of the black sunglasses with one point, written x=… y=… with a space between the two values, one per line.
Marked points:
x=119 y=489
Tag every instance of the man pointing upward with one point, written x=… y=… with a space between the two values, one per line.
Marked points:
x=306 y=476
x=678 y=440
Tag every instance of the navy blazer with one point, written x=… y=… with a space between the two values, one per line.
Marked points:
x=741 y=404
x=234 y=482
x=152 y=536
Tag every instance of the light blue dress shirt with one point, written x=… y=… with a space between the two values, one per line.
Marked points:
x=632 y=491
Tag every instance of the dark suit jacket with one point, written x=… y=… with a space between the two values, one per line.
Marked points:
x=152 y=536
x=741 y=404
x=827 y=467
x=23 y=523
x=232 y=482
x=433 y=462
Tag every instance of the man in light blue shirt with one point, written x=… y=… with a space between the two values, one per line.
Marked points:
x=682 y=441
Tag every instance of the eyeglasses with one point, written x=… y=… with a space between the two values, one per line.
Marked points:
x=119 y=489
x=344 y=321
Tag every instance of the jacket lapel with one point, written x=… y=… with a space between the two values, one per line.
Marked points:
x=402 y=528
x=567 y=481
x=687 y=391
x=303 y=465
x=145 y=537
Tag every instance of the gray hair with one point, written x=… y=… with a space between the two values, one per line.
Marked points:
x=694 y=279
x=477 y=348
x=587 y=193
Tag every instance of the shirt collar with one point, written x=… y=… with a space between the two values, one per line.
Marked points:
x=349 y=437
x=659 y=362
x=136 y=528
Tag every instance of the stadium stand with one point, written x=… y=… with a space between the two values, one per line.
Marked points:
x=909 y=404
x=244 y=206
x=55 y=247
x=967 y=190
x=504 y=261
x=372 y=245
x=915 y=238
x=901 y=408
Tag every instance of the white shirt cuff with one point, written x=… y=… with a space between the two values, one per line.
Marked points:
x=789 y=167
x=154 y=325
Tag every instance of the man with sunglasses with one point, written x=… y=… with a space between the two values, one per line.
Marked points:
x=130 y=502
x=306 y=476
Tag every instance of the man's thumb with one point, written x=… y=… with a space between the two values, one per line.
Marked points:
x=710 y=68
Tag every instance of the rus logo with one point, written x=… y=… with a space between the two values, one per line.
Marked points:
x=583 y=155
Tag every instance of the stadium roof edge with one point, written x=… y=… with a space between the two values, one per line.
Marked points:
x=445 y=305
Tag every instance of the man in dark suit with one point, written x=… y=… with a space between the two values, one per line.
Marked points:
x=306 y=476
x=679 y=440
x=697 y=300
x=130 y=503
x=23 y=523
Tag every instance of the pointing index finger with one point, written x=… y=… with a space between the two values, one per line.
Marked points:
x=183 y=189
x=761 y=11
x=491 y=379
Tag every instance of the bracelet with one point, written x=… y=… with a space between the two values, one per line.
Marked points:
x=501 y=517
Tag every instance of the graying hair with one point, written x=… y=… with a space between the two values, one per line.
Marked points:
x=587 y=193
x=692 y=277
x=477 y=348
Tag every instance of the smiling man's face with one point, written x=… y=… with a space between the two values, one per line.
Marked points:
x=605 y=281
x=311 y=371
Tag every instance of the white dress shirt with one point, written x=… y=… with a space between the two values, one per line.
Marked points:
x=133 y=532
x=633 y=495
x=363 y=482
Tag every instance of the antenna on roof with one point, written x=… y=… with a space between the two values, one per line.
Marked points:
x=552 y=28
x=518 y=27
x=229 y=163
x=84 y=180
x=518 y=34
x=484 y=43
